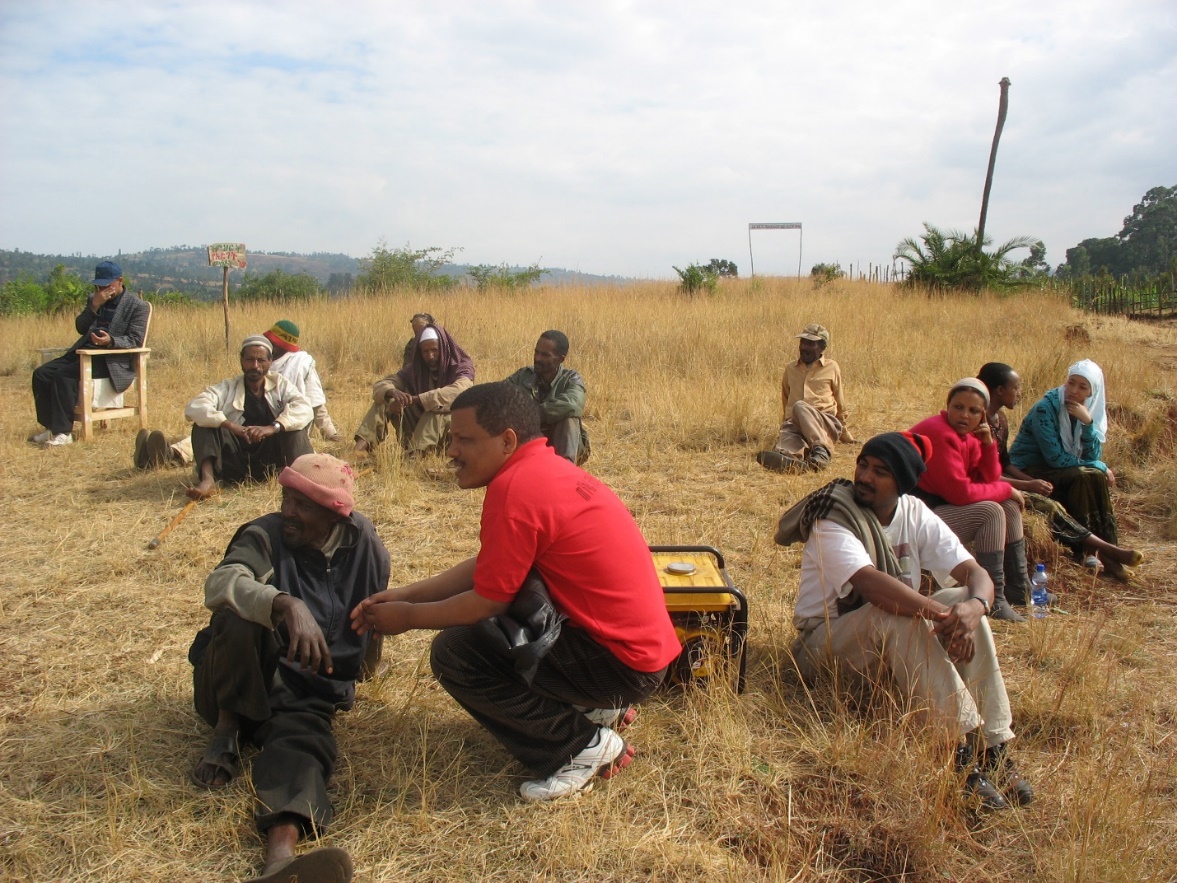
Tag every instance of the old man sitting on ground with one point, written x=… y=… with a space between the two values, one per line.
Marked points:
x=249 y=425
x=277 y=659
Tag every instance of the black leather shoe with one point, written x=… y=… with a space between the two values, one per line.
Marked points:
x=977 y=788
x=141 y=449
x=775 y=461
x=999 y=767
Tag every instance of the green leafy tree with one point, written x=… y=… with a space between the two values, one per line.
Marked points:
x=64 y=291
x=697 y=278
x=951 y=259
x=1149 y=236
x=1035 y=266
x=386 y=269
x=1144 y=247
x=279 y=287
x=722 y=268
x=340 y=283
x=1092 y=256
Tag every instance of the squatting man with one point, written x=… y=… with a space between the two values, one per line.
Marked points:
x=545 y=519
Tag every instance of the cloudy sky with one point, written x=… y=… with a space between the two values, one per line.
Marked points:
x=609 y=137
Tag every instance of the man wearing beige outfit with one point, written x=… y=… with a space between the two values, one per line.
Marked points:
x=814 y=409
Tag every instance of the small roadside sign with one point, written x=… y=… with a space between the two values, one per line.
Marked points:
x=227 y=254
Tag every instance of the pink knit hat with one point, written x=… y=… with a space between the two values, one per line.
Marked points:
x=325 y=479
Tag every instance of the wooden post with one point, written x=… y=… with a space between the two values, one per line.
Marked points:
x=225 y=301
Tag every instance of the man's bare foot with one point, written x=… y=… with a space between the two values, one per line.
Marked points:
x=219 y=765
x=203 y=490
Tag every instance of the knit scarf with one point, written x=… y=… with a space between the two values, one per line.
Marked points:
x=836 y=502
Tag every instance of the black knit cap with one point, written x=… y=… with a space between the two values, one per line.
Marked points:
x=905 y=454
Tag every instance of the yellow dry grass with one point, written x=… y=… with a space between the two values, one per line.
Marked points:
x=98 y=733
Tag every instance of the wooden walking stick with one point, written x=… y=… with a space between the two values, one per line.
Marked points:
x=154 y=544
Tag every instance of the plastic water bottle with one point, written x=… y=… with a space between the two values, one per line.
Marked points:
x=1038 y=596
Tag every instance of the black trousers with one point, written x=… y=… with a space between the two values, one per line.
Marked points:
x=537 y=724
x=55 y=390
x=238 y=672
x=234 y=461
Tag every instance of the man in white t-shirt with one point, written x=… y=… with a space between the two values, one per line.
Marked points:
x=859 y=607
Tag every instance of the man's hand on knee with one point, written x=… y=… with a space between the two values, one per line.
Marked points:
x=307 y=643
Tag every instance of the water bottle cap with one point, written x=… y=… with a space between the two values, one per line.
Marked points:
x=1041 y=568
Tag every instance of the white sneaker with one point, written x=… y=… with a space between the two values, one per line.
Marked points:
x=42 y=437
x=616 y=719
x=603 y=757
x=58 y=440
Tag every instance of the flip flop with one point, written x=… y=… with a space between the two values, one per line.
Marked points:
x=222 y=754
x=194 y=494
x=329 y=864
x=1092 y=563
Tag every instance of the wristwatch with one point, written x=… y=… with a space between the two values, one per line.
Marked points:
x=984 y=604
x=278 y=427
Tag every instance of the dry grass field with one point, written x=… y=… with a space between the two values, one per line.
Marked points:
x=97 y=731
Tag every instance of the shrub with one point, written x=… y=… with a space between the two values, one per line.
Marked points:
x=821 y=274
x=21 y=296
x=386 y=269
x=279 y=287
x=696 y=278
x=502 y=277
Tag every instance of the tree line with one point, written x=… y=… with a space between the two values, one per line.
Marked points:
x=29 y=288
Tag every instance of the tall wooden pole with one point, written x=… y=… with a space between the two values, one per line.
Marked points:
x=228 y=346
x=1002 y=107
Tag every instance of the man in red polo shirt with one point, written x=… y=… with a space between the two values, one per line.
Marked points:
x=541 y=512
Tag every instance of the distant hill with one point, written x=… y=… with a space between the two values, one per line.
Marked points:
x=185 y=268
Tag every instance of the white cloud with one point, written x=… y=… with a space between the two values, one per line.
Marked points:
x=617 y=138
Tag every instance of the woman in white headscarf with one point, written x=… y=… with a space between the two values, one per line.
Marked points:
x=1061 y=442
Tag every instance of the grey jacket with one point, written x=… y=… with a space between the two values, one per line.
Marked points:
x=128 y=329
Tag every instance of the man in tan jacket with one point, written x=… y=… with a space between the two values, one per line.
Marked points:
x=814 y=409
x=249 y=425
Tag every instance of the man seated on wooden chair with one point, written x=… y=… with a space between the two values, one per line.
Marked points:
x=249 y=425
x=113 y=318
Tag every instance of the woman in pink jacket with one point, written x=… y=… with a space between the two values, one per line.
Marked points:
x=963 y=487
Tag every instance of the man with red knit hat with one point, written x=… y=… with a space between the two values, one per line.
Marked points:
x=860 y=607
x=278 y=658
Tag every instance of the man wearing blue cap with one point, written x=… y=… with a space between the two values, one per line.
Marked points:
x=113 y=318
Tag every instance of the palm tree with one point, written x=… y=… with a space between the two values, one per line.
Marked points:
x=952 y=259
x=1002 y=107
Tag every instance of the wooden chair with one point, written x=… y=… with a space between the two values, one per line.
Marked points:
x=86 y=412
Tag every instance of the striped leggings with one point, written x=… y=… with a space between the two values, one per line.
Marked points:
x=985 y=526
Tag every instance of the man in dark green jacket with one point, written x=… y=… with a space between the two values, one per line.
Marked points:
x=560 y=393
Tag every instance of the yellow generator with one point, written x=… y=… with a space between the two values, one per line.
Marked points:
x=709 y=614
